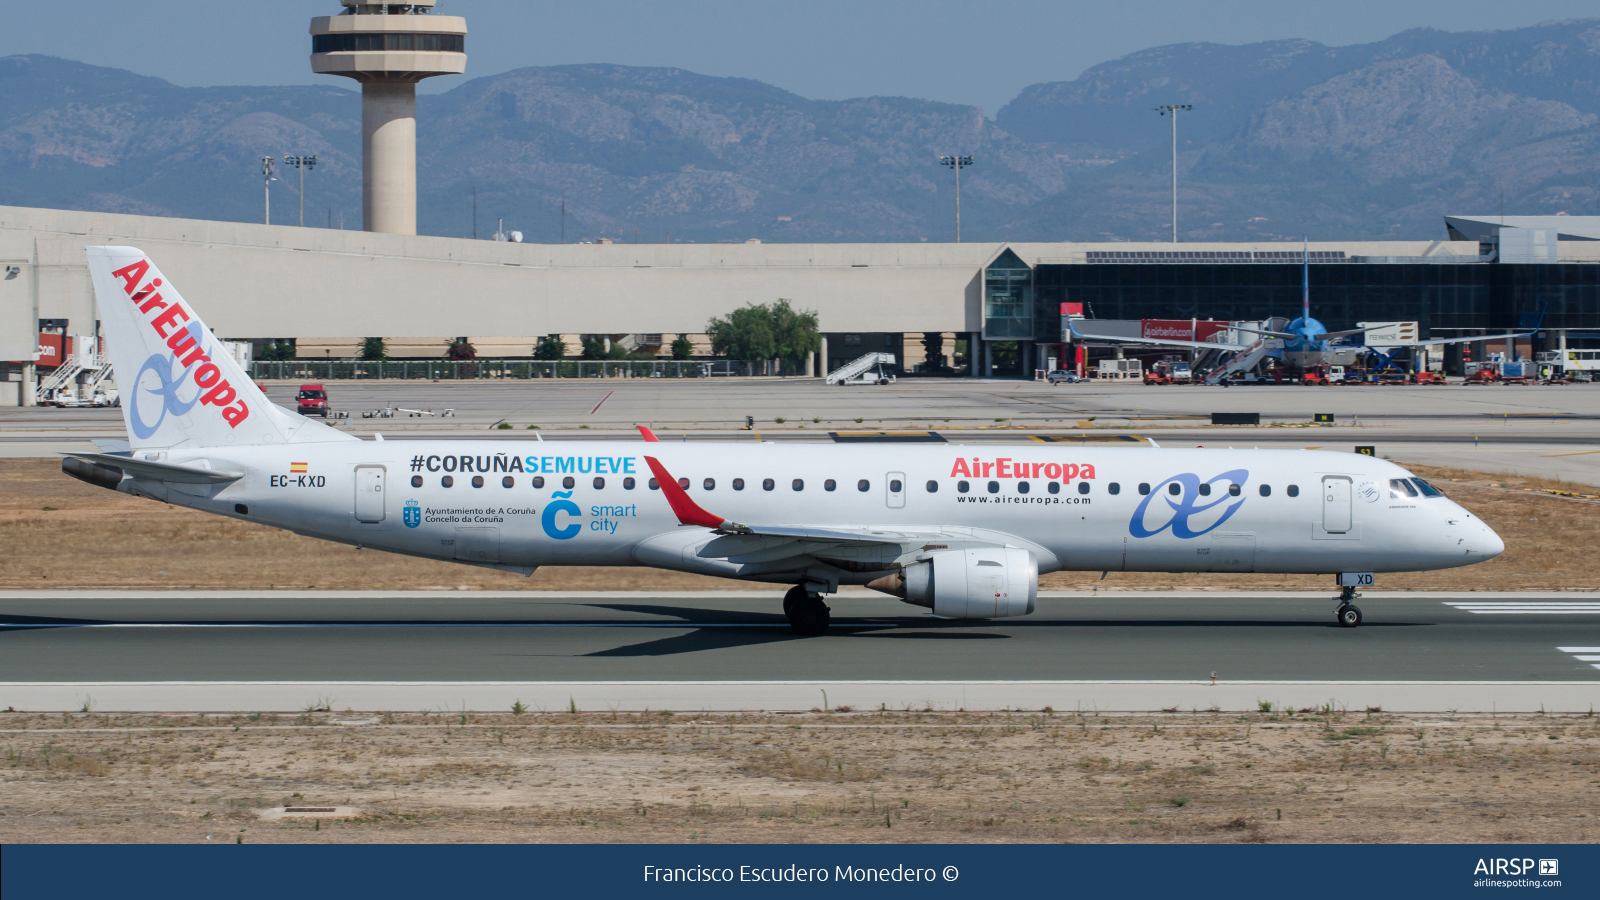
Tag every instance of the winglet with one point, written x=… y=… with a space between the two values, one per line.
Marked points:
x=687 y=511
x=649 y=436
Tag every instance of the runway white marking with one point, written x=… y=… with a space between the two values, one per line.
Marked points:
x=1530 y=608
x=1582 y=654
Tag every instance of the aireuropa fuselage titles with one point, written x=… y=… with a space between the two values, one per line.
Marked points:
x=524 y=504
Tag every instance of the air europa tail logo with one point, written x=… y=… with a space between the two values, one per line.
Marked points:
x=189 y=361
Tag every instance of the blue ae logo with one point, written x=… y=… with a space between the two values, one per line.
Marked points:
x=412 y=514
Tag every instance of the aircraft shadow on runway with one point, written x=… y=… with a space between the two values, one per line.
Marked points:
x=760 y=630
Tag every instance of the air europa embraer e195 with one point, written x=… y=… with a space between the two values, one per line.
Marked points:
x=962 y=531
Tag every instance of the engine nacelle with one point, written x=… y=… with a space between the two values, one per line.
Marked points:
x=986 y=583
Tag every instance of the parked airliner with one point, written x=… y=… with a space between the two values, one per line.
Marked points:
x=1306 y=343
x=962 y=531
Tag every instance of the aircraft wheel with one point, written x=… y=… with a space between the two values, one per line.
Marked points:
x=795 y=595
x=1348 y=616
x=809 y=617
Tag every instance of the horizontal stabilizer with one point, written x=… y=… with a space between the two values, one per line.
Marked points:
x=159 y=471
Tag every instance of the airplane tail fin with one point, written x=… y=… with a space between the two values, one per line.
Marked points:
x=176 y=384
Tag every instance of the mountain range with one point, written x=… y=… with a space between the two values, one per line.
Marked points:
x=1370 y=141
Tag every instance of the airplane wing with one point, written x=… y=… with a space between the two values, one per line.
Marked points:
x=159 y=471
x=1160 y=342
x=1283 y=335
x=1477 y=337
x=741 y=544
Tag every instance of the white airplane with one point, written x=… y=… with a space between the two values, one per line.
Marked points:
x=962 y=531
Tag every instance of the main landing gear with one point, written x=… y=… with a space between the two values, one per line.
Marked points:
x=1348 y=614
x=808 y=615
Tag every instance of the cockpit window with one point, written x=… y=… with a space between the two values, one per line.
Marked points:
x=1427 y=489
x=1401 y=489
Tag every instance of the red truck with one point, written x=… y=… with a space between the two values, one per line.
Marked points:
x=312 y=400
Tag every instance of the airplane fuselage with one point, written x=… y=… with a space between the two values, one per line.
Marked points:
x=523 y=504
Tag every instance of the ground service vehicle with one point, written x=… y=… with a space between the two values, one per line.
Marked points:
x=963 y=531
x=312 y=400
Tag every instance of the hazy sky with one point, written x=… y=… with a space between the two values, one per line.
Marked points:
x=980 y=52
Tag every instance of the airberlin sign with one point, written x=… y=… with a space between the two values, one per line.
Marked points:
x=187 y=362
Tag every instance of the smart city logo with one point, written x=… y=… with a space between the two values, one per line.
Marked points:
x=557 y=507
x=1184 y=504
x=411 y=514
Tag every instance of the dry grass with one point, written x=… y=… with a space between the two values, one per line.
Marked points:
x=48 y=520
x=874 y=777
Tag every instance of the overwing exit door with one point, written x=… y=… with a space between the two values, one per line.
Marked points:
x=895 y=490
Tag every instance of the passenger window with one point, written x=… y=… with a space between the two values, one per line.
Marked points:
x=568 y=482
x=538 y=481
x=654 y=485
x=683 y=483
x=599 y=483
x=1055 y=487
x=1144 y=488
x=477 y=481
x=1233 y=490
x=628 y=483
x=508 y=481
x=1113 y=488
x=962 y=487
x=709 y=484
x=862 y=485
x=1022 y=487
x=799 y=484
x=1265 y=490
x=1293 y=490
x=447 y=481
x=895 y=487
x=738 y=484
x=829 y=485
x=416 y=481
x=1427 y=489
x=768 y=484
x=1083 y=487
x=994 y=487
x=1174 y=489
x=933 y=487
x=1400 y=489
x=1205 y=490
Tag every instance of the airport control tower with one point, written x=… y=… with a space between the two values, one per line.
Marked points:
x=388 y=47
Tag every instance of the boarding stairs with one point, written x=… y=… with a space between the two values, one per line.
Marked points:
x=858 y=367
x=1243 y=361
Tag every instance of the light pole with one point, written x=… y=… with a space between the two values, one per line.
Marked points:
x=1173 y=108
x=957 y=163
x=302 y=163
x=267 y=165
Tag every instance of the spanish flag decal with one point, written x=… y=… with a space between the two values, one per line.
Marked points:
x=297 y=468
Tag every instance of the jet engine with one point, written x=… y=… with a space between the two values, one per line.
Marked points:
x=985 y=583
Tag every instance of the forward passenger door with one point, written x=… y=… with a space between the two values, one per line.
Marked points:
x=1336 y=501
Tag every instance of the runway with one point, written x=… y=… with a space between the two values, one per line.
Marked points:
x=280 y=650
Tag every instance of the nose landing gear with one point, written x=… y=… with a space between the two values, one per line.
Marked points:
x=1348 y=614
x=808 y=615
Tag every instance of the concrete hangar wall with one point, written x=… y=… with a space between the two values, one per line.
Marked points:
x=316 y=284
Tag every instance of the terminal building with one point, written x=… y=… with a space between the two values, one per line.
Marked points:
x=327 y=289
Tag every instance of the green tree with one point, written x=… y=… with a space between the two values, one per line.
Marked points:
x=374 y=349
x=461 y=348
x=762 y=331
x=682 y=348
x=595 y=348
x=273 y=350
x=551 y=346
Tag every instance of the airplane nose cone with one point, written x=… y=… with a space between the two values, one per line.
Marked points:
x=1492 y=544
